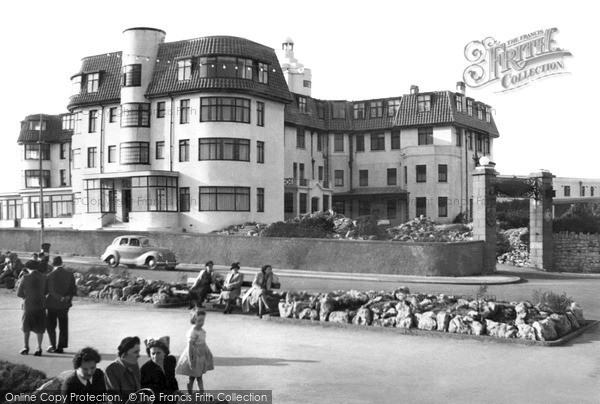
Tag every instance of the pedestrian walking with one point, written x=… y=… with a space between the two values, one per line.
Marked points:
x=61 y=289
x=196 y=359
x=32 y=290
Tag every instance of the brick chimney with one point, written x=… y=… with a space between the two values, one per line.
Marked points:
x=414 y=89
x=460 y=87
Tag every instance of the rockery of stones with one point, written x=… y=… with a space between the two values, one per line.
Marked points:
x=442 y=313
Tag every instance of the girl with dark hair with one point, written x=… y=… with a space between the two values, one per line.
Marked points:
x=123 y=375
x=158 y=374
x=87 y=378
x=196 y=359
x=260 y=294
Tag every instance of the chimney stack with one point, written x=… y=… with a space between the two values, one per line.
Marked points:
x=460 y=87
x=414 y=89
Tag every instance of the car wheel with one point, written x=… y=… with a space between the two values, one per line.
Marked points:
x=151 y=263
x=112 y=261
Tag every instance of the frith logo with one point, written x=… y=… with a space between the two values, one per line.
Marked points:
x=514 y=63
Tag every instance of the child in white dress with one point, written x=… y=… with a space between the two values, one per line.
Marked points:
x=196 y=359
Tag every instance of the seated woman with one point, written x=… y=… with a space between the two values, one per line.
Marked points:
x=158 y=374
x=123 y=374
x=260 y=294
x=87 y=378
x=232 y=287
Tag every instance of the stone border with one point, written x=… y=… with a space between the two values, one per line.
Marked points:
x=439 y=334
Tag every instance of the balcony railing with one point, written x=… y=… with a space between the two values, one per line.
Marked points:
x=303 y=182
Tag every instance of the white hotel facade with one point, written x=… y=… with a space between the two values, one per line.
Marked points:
x=199 y=134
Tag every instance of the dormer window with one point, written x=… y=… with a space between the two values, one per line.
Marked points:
x=458 y=102
x=480 y=112
x=263 y=73
x=35 y=125
x=488 y=114
x=76 y=85
x=184 y=69
x=68 y=122
x=93 y=82
x=470 y=107
x=376 y=109
x=393 y=106
x=359 y=110
x=339 y=110
x=302 y=104
x=132 y=75
x=424 y=103
x=226 y=66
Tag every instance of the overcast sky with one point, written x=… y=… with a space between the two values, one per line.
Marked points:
x=355 y=49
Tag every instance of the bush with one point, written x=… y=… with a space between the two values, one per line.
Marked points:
x=502 y=243
x=513 y=214
x=580 y=218
x=367 y=226
x=551 y=302
x=21 y=378
x=306 y=227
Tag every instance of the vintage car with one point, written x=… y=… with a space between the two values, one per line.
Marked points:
x=138 y=251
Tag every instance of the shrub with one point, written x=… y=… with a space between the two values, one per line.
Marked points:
x=550 y=301
x=306 y=227
x=502 y=243
x=580 y=218
x=367 y=226
x=513 y=214
x=16 y=377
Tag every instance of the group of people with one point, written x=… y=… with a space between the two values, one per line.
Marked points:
x=259 y=295
x=124 y=376
x=47 y=292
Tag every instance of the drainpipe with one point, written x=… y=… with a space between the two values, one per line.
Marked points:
x=171 y=134
x=350 y=166
x=102 y=139
x=467 y=213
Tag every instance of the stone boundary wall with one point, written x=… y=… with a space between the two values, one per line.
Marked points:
x=576 y=252
x=381 y=257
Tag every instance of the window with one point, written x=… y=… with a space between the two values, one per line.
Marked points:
x=288 y=202
x=321 y=111
x=93 y=80
x=215 y=148
x=35 y=125
x=226 y=199
x=442 y=173
x=63 y=178
x=582 y=191
x=91 y=157
x=591 y=191
x=303 y=202
x=64 y=147
x=184 y=199
x=364 y=208
x=458 y=102
x=75 y=159
x=112 y=154
x=424 y=103
x=376 y=109
x=470 y=107
x=488 y=114
x=32 y=151
x=425 y=136
x=135 y=115
x=160 y=109
x=405 y=175
x=339 y=110
x=325 y=202
x=359 y=110
x=76 y=85
x=300 y=139
x=302 y=104
x=263 y=73
x=479 y=112
x=391 y=209
x=320 y=170
x=134 y=153
x=226 y=66
x=226 y=109
x=319 y=142
x=338 y=178
x=61 y=206
x=377 y=141
x=396 y=140
x=470 y=140
x=184 y=111
x=93 y=118
x=306 y=83
x=184 y=69
x=132 y=75
x=260 y=199
x=35 y=209
x=154 y=194
x=567 y=190
x=184 y=150
x=160 y=150
x=301 y=165
x=421 y=173
x=260 y=152
x=392 y=176
x=392 y=107
x=363 y=178
x=260 y=113
x=443 y=206
x=486 y=144
x=112 y=115
x=338 y=142
x=458 y=137
x=360 y=143
x=479 y=140
x=32 y=178
x=421 y=206
x=68 y=122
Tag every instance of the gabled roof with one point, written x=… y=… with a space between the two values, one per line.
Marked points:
x=52 y=134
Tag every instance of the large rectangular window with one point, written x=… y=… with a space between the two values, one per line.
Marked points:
x=32 y=151
x=260 y=113
x=338 y=142
x=184 y=111
x=184 y=199
x=225 y=66
x=260 y=152
x=160 y=150
x=421 y=173
x=135 y=115
x=99 y=196
x=303 y=202
x=300 y=138
x=442 y=172
x=395 y=140
x=112 y=154
x=32 y=178
x=154 y=194
x=224 y=148
x=91 y=157
x=338 y=178
x=226 y=109
x=134 y=153
x=424 y=103
x=132 y=75
x=360 y=143
x=260 y=199
x=425 y=136
x=421 y=206
x=363 y=178
x=68 y=122
x=358 y=110
x=377 y=141
x=225 y=199
x=184 y=69
x=93 y=118
x=61 y=206
x=392 y=176
x=443 y=206
x=376 y=109
x=184 y=150
x=160 y=109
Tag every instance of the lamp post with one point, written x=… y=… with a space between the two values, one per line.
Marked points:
x=41 y=182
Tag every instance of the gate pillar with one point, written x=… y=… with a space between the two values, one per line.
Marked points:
x=540 y=221
x=484 y=214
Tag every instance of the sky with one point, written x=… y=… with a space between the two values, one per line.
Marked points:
x=355 y=50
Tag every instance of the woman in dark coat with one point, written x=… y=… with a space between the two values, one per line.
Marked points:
x=158 y=374
x=33 y=289
x=232 y=288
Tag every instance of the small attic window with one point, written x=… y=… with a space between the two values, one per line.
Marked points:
x=424 y=103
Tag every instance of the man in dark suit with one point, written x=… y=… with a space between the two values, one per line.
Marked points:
x=61 y=289
x=86 y=380
x=201 y=287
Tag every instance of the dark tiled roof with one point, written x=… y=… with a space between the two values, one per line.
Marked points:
x=443 y=111
x=109 y=89
x=52 y=134
x=165 y=75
